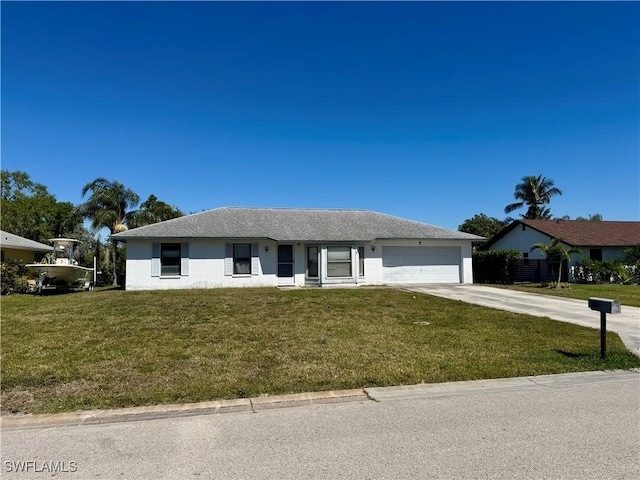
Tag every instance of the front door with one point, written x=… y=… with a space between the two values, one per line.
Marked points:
x=312 y=274
x=285 y=263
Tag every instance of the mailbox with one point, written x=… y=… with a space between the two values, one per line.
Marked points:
x=604 y=305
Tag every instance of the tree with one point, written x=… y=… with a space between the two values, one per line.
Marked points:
x=15 y=184
x=109 y=206
x=482 y=225
x=631 y=255
x=151 y=211
x=596 y=217
x=29 y=210
x=534 y=192
x=556 y=254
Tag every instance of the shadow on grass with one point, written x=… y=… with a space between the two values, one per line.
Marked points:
x=573 y=355
x=110 y=288
x=48 y=292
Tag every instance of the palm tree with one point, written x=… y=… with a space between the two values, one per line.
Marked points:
x=108 y=207
x=534 y=192
x=151 y=211
x=556 y=253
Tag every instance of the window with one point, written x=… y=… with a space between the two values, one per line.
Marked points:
x=242 y=258
x=595 y=254
x=169 y=259
x=525 y=258
x=338 y=261
x=312 y=262
x=361 y=261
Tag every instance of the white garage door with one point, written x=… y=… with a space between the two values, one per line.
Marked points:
x=421 y=264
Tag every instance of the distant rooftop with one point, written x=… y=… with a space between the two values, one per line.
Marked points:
x=9 y=240
x=583 y=233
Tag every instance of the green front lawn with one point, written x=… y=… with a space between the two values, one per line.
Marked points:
x=112 y=348
x=627 y=294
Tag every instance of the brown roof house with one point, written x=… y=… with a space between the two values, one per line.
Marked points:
x=605 y=240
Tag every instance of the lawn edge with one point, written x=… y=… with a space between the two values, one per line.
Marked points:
x=151 y=412
x=256 y=404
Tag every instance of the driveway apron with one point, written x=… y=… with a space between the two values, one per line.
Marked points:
x=626 y=324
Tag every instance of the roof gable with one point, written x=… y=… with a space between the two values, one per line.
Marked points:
x=581 y=233
x=287 y=224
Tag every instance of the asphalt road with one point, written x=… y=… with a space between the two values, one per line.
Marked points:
x=562 y=430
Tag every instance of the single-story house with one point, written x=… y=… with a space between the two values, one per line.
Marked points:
x=596 y=240
x=250 y=247
x=14 y=247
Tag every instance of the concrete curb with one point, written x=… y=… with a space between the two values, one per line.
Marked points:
x=247 y=405
x=256 y=404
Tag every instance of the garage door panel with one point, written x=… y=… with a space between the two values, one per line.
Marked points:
x=421 y=264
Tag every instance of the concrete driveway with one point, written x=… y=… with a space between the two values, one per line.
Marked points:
x=626 y=324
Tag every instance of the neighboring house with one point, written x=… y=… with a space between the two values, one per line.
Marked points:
x=597 y=240
x=13 y=247
x=249 y=247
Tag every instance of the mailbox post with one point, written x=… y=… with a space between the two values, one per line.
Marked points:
x=604 y=306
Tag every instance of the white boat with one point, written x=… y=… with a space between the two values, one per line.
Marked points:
x=59 y=270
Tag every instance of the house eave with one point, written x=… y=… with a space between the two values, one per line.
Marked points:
x=429 y=239
x=187 y=237
x=28 y=249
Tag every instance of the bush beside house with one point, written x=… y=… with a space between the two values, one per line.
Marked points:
x=13 y=277
x=624 y=271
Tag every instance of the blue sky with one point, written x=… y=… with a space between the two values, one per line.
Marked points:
x=429 y=111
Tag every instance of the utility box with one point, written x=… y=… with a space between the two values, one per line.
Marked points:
x=604 y=305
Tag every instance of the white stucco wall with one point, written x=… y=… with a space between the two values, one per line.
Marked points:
x=207 y=265
x=522 y=240
x=206 y=268
x=608 y=253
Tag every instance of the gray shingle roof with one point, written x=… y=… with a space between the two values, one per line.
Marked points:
x=290 y=224
x=9 y=240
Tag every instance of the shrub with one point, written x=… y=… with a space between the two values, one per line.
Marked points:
x=631 y=260
x=495 y=266
x=105 y=278
x=13 y=277
x=603 y=271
